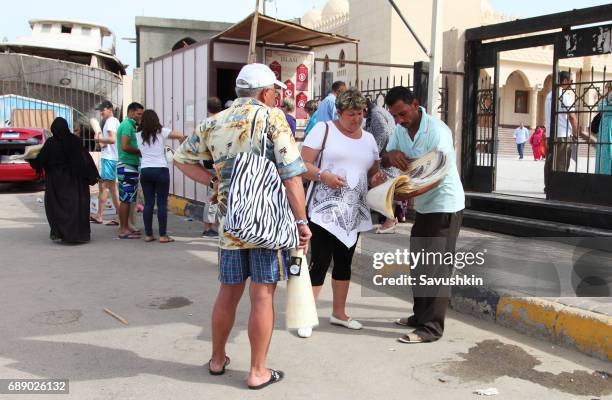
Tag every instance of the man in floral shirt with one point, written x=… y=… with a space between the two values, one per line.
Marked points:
x=219 y=139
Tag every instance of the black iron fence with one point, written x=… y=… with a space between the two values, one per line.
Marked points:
x=582 y=140
x=376 y=89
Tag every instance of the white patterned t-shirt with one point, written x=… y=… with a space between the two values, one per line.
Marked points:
x=342 y=212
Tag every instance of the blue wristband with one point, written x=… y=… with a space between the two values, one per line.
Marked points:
x=302 y=222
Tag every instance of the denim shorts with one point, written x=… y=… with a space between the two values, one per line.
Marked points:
x=108 y=170
x=262 y=265
x=128 y=182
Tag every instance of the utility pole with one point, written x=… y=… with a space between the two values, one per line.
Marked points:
x=435 y=58
x=253 y=40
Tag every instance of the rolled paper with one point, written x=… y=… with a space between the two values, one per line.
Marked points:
x=380 y=198
x=422 y=172
x=95 y=125
x=301 y=307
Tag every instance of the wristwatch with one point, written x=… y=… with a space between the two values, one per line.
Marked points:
x=302 y=222
x=319 y=175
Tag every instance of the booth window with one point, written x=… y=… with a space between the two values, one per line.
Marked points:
x=520 y=102
x=183 y=43
x=341 y=59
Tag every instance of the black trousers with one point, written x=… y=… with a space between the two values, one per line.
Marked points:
x=433 y=233
x=325 y=247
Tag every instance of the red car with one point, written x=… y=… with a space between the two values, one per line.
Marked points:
x=14 y=141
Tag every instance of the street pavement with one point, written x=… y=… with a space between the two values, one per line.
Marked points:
x=53 y=326
x=526 y=177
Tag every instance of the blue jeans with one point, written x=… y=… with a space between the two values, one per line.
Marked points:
x=520 y=147
x=155 y=184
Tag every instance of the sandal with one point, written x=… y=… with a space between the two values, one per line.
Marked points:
x=112 y=222
x=95 y=220
x=381 y=230
x=167 y=239
x=217 y=373
x=149 y=239
x=129 y=236
x=275 y=376
x=411 y=338
x=410 y=321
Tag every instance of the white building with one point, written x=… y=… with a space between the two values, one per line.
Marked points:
x=525 y=75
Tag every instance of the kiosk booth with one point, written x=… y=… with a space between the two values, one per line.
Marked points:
x=177 y=84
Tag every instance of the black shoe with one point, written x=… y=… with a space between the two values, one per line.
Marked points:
x=209 y=234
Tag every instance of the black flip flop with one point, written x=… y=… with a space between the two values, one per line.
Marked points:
x=217 y=373
x=275 y=376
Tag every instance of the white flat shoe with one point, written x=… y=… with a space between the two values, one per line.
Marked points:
x=350 y=323
x=305 y=332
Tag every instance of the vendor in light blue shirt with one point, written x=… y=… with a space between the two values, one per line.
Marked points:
x=432 y=134
x=439 y=210
x=327 y=108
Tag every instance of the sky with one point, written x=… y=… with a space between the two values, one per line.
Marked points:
x=121 y=19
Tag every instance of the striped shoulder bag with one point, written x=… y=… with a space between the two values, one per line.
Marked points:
x=258 y=210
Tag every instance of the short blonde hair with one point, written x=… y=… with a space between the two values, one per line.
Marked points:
x=351 y=99
x=288 y=104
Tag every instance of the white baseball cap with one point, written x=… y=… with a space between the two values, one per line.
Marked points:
x=253 y=76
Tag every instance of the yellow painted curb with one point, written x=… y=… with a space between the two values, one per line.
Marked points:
x=177 y=205
x=589 y=332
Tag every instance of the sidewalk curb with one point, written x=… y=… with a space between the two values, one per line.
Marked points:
x=185 y=208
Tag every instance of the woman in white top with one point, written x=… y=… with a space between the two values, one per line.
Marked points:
x=337 y=207
x=154 y=172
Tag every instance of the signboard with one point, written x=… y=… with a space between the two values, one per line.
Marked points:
x=585 y=42
x=294 y=68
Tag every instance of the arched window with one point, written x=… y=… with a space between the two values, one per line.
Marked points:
x=183 y=43
x=341 y=59
x=326 y=63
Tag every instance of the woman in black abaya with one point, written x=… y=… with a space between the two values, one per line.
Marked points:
x=69 y=171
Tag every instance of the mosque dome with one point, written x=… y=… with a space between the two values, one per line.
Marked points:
x=335 y=8
x=312 y=18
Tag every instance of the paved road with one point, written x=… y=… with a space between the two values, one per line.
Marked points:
x=526 y=177
x=53 y=326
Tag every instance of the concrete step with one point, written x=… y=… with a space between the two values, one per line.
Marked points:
x=565 y=213
x=528 y=227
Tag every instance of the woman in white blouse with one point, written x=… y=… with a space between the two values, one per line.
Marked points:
x=337 y=209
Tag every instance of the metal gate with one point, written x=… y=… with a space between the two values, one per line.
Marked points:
x=482 y=101
x=34 y=90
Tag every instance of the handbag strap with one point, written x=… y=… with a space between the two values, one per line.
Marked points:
x=320 y=159
x=264 y=134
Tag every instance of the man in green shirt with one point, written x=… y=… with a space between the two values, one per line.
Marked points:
x=127 y=170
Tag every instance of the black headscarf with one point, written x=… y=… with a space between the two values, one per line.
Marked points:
x=70 y=143
x=64 y=150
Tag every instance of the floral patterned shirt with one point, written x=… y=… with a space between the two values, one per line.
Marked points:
x=221 y=137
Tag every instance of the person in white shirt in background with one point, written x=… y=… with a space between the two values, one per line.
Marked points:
x=154 y=172
x=567 y=127
x=521 y=135
x=108 y=161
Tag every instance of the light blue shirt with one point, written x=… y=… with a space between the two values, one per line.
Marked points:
x=327 y=109
x=311 y=122
x=433 y=134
